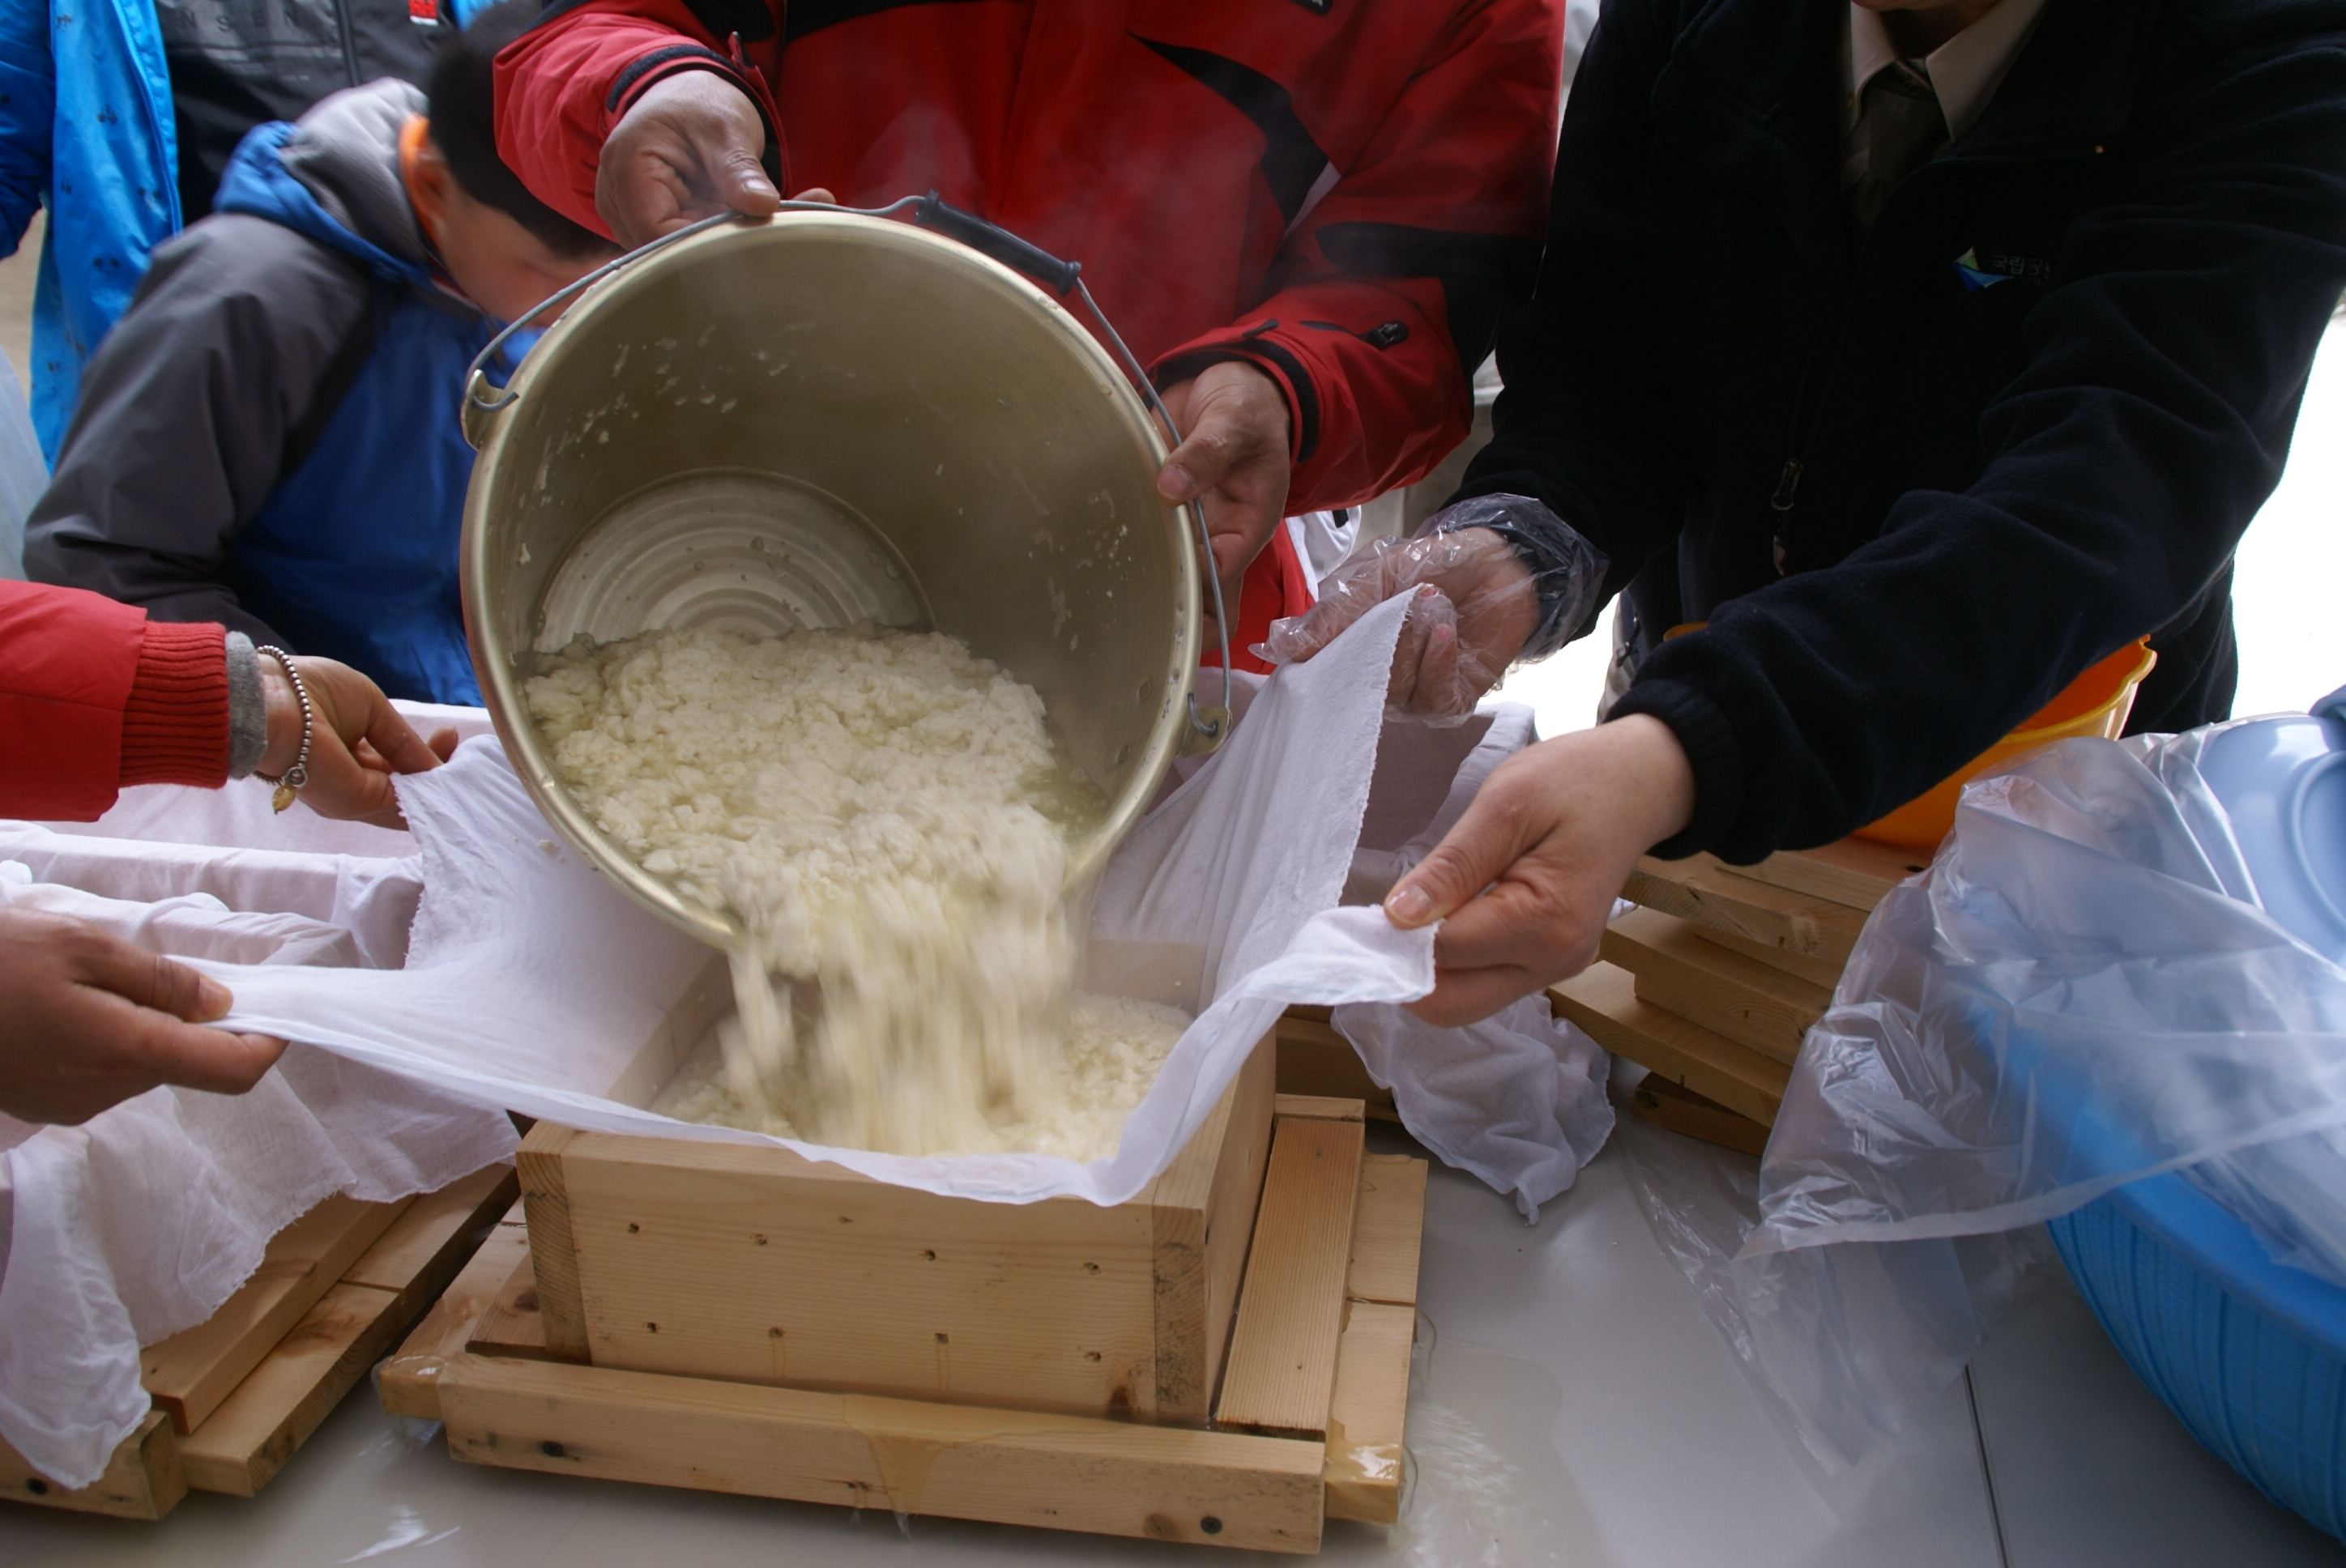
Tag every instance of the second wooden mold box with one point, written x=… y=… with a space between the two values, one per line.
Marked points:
x=752 y=1265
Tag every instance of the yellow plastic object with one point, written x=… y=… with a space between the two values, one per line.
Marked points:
x=2095 y=703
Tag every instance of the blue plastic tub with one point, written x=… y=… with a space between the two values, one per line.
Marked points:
x=2249 y=1355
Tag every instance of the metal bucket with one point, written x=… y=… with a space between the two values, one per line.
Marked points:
x=823 y=419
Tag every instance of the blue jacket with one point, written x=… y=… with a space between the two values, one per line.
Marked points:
x=269 y=437
x=87 y=129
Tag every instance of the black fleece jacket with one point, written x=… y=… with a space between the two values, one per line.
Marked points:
x=1915 y=489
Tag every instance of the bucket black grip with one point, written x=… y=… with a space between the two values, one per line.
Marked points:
x=993 y=240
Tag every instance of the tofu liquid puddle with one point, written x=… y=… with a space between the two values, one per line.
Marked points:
x=886 y=815
x=1485 y=1484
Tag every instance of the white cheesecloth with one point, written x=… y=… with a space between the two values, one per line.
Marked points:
x=531 y=985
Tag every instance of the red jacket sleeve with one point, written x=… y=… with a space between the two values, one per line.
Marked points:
x=1387 y=294
x=562 y=86
x=94 y=696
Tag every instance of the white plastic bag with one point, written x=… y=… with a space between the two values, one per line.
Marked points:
x=2081 y=991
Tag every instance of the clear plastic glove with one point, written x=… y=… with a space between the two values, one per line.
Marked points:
x=1476 y=604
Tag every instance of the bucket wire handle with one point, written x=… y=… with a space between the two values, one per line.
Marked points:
x=1064 y=278
x=987 y=239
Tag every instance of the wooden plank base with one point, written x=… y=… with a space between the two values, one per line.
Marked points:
x=1366 y=1413
x=409 y=1383
x=1010 y=1466
x=144 y=1477
x=245 y=1442
x=1364 y=1474
x=399 y=1269
x=190 y=1373
x=513 y=1325
x=476 y=1363
x=1388 y=1228
x=1283 y=1364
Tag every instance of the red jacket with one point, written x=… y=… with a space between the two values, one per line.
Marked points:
x=94 y=696
x=1341 y=193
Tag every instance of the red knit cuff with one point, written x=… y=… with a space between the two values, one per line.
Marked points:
x=174 y=726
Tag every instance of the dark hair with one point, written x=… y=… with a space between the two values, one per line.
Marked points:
x=464 y=127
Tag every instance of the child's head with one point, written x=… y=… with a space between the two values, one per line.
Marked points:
x=503 y=248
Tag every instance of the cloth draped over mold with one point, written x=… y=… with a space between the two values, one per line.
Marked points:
x=528 y=984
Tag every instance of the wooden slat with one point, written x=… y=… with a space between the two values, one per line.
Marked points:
x=1751 y=1003
x=1283 y=1364
x=190 y=1373
x=1319 y=1107
x=143 y=1479
x=245 y=1442
x=1201 y=1217
x=426 y=1245
x=1057 y=1472
x=1856 y=873
x=1700 y=890
x=1823 y=972
x=409 y=1384
x=242 y=1445
x=512 y=1325
x=1388 y=1228
x=1363 y=1473
x=545 y=1199
x=1315 y=1059
x=1675 y=1108
x=1602 y=999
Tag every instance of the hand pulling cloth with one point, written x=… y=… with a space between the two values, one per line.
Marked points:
x=141 y=1222
x=532 y=986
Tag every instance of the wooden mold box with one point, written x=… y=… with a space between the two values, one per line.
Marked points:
x=1311 y=1309
x=753 y=1265
x=238 y=1394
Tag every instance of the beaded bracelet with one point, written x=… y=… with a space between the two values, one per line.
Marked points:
x=295 y=776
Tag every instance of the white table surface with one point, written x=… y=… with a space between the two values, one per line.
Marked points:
x=1577 y=1408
